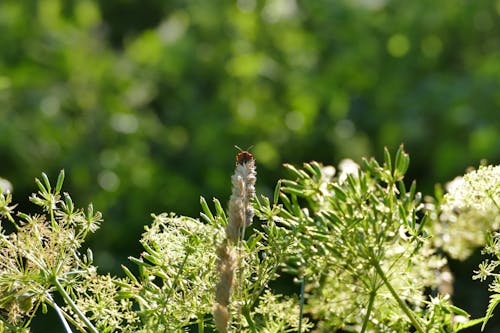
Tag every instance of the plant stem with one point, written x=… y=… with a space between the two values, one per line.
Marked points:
x=201 y=324
x=171 y=290
x=59 y=313
x=394 y=294
x=176 y=278
x=67 y=317
x=301 y=311
x=73 y=306
x=250 y=322
x=368 y=311
x=239 y=291
x=494 y=201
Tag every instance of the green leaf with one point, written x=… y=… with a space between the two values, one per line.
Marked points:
x=331 y=216
x=317 y=167
x=295 y=206
x=291 y=183
x=494 y=300
x=458 y=311
x=301 y=174
x=68 y=203
x=372 y=165
x=151 y=258
x=42 y=188
x=218 y=208
x=286 y=201
x=314 y=169
x=309 y=168
x=295 y=191
x=277 y=190
x=150 y=250
x=46 y=182
x=363 y=182
x=438 y=192
x=23 y=215
x=404 y=216
x=353 y=183
x=295 y=172
x=470 y=323
x=387 y=159
x=90 y=256
x=139 y=262
x=60 y=181
x=206 y=210
x=402 y=162
x=402 y=188
x=413 y=190
x=339 y=192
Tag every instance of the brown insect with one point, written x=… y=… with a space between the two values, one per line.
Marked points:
x=243 y=156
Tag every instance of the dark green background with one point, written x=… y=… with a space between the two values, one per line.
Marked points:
x=141 y=102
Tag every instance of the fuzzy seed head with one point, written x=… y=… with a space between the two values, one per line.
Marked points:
x=240 y=204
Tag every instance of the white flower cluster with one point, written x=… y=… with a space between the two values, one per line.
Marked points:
x=470 y=209
x=478 y=190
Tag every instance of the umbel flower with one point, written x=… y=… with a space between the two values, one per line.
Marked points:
x=469 y=210
x=240 y=216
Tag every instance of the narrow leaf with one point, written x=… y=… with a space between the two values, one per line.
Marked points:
x=60 y=181
x=387 y=159
x=130 y=275
x=206 y=210
x=46 y=182
x=277 y=190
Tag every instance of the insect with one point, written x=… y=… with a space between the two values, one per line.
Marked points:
x=243 y=156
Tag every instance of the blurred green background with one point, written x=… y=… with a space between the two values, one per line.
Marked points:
x=142 y=102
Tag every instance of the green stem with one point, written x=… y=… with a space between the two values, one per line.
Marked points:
x=401 y=303
x=201 y=324
x=302 y=288
x=494 y=201
x=250 y=322
x=368 y=311
x=53 y=222
x=59 y=313
x=73 y=306
x=171 y=290
x=176 y=278
x=72 y=320
x=6 y=323
x=239 y=291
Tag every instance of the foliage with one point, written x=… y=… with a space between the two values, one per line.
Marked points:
x=357 y=240
x=137 y=97
x=476 y=200
x=143 y=94
x=364 y=230
x=42 y=257
x=175 y=286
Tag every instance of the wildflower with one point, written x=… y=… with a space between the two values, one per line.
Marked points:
x=240 y=216
x=470 y=209
x=223 y=289
x=241 y=212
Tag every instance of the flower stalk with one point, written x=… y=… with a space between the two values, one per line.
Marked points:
x=409 y=313
x=74 y=307
x=240 y=216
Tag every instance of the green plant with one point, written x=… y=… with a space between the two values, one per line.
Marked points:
x=359 y=242
x=41 y=258
x=474 y=200
x=363 y=250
